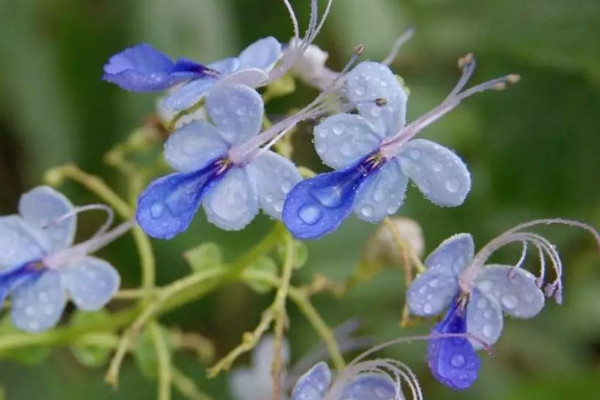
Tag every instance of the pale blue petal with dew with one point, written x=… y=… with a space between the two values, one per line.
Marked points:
x=452 y=255
x=261 y=54
x=233 y=202
x=274 y=176
x=381 y=194
x=189 y=94
x=438 y=172
x=193 y=146
x=372 y=387
x=252 y=77
x=313 y=384
x=431 y=292
x=38 y=304
x=369 y=82
x=91 y=283
x=343 y=139
x=42 y=207
x=514 y=289
x=484 y=319
x=236 y=110
x=20 y=242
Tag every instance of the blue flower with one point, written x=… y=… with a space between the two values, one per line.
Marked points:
x=256 y=382
x=143 y=69
x=374 y=159
x=38 y=267
x=356 y=384
x=476 y=297
x=231 y=189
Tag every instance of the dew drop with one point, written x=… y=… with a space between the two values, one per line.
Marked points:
x=218 y=110
x=384 y=83
x=359 y=91
x=338 y=129
x=321 y=148
x=485 y=286
x=241 y=111
x=391 y=210
x=422 y=290
x=488 y=330
x=434 y=283
x=415 y=154
x=269 y=198
x=481 y=304
x=510 y=301
x=437 y=167
x=375 y=112
x=309 y=214
x=29 y=311
x=457 y=361
x=279 y=206
x=43 y=296
x=367 y=211
x=427 y=309
x=378 y=195
x=452 y=185
x=157 y=210
x=286 y=187
x=346 y=149
x=487 y=314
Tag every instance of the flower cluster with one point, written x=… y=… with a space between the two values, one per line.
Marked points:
x=224 y=160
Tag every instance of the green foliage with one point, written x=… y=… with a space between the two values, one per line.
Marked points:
x=206 y=255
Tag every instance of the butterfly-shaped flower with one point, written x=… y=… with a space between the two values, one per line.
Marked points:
x=219 y=166
x=40 y=267
x=477 y=295
x=144 y=69
x=375 y=154
x=316 y=384
x=256 y=382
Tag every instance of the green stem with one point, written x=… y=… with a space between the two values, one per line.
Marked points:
x=164 y=362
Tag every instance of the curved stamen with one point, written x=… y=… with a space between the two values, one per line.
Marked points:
x=91 y=207
x=293 y=17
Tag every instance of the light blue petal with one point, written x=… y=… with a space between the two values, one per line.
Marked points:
x=91 y=283
x=431 y=292
x=370 y=81
x=168 y=204
x=372 y=387
x=343 y=139
x=236 y=110
x=313 y=384
x=252 y=77
x=381 y=194
x=193 y=146
x=484 y=319
x=261 y=54
x=225 y=66
x=38 y=304
x=19 y=242
x=318 y=205
x=274 y=176
x=233 y=202
x=246 y=384
x=188 y=95
x=264 y=353
x=440 y=174
x=42 y=207
x=452 y=255
x=513 y=288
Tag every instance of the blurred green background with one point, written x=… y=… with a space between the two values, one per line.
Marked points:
x=532 y=151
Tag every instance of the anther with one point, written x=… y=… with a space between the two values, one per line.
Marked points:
x=466 y=60
x=513 y=78
x=358 y=50
x=380 y=101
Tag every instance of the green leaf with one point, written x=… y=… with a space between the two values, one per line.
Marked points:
x=145 y=353
x=206 y=255
x=94 y=349
x=265 y=265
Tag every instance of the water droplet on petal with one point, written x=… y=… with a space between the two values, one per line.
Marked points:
x=427 y=308
x=437 y=167
x=346 y=149
x=338 y=129
x=457 y=361
x=384 y=83
x=367 y=211
x=481 y=303
x=488 y=330
x=286 y=187
x=510 y=301
x=375 y=112
x=279 y=206
x=269 y=198
x=310 y=214
x=415 y=154
x=157 y=210
x=452 y=185
x=329 y=197
x=434 y=282
x=242 y=110
x=359 y=91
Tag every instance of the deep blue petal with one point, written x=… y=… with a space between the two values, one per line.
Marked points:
x=168 y=204
x=318 y=205
x=453 y=361
x=144 y=69
x=14 y=277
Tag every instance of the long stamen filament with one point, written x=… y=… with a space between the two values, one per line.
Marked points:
x=401 y=41
x=295 y=25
